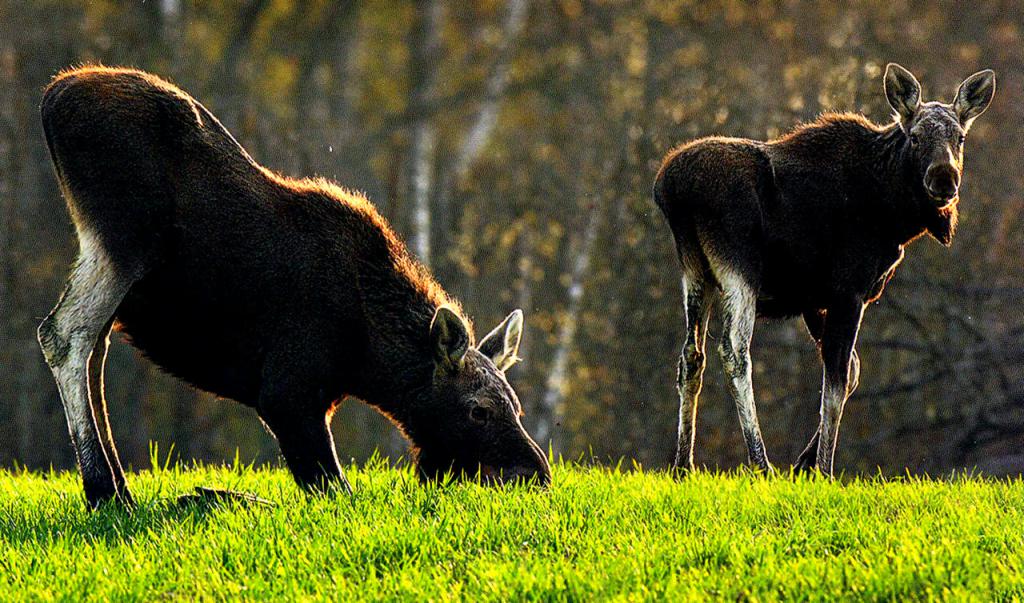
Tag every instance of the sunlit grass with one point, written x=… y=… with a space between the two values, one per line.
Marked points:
x=596 y=533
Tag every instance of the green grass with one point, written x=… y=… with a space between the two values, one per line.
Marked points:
x=595 y=534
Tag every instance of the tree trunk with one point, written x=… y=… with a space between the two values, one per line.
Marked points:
x=247 y=20
x=550 y=415
x=425 y=42
x=524 y=297
x=487 y=116
x=320 y=111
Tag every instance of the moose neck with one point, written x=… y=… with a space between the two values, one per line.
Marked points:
x=397 y=365
x=897 y=187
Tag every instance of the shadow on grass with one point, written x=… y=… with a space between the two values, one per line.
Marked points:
x=114 y=524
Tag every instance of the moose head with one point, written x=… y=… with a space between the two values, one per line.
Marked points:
x=468 y=421
x=934 y=134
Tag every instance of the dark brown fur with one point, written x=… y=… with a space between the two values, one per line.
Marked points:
x=285 y=295
x=814 y=222
x=826 y=203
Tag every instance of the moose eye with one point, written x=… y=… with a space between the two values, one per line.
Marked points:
x=480 y=414
x=915 y=140
x=961 y=140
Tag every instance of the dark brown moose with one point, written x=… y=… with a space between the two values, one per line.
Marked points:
x=285 y=295
x=811 y=224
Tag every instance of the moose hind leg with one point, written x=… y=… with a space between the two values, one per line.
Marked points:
x=739 y=310
x=690 y=373
x=68 y=337
x=98 y=401
x=808 y=459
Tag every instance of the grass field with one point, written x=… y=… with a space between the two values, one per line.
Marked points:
x=595 y=534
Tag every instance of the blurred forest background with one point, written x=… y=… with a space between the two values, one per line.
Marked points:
x=513 y=143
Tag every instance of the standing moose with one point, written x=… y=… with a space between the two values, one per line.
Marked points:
x=285 y=295
x=811 y=224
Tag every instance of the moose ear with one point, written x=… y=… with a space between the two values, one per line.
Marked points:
x=449 y=338
x=902 y=91
x=502 y=344
x=974 y=96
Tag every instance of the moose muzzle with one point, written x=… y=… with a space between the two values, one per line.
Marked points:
x=532 y=468
x=942 y=181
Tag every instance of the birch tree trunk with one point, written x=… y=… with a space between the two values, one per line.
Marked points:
x=551 y=411
x=424 y=53
x=170 y=13
x=425 y=42
x=170 y=30
x=487 y=116
x=524 y=298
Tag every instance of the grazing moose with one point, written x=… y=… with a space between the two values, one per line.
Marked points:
x=811 y=224
x=285 y=295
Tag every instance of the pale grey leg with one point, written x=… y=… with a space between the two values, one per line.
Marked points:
x=98 y=401
x=739 y=309
x=841 y=373
x=692 y=361
x=68 y=337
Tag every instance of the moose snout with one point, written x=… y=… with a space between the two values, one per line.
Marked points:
x=538 y=476
x=517 y=475
x=539 y=471
x=533 y=469
x=942 y=181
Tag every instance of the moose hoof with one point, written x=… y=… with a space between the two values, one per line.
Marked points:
x=805 y=464
x=811 y=470
x=803 y=469
x=125 y=499
x=102 y=495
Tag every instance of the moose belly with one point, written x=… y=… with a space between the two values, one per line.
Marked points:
x=792 y=291
x=193 y=335
x=796 y=275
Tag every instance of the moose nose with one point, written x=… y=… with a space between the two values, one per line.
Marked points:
x=542 y=470
x=942 y=181
x=538 y=476
x=535 y=471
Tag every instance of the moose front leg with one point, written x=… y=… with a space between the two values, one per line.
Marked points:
x=308 y=449
x=808 y=459
x=297 y=413
x=839 y=337
x=815 y=321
